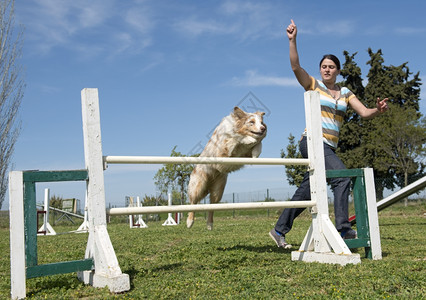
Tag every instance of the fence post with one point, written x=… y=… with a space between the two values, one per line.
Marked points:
x=233 y=201
x=267 y=197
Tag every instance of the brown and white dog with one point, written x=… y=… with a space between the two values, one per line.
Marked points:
x=238 y=135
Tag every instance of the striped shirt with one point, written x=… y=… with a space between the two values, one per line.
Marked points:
x=332 y=111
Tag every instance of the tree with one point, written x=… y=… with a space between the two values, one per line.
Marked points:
x=357 y=145
x=154 y=201
x=402 y=139
x=351 y=131
x=174 y=177
x=11 y=89
x=392 y=82
x=56 y=201
x=294 y=173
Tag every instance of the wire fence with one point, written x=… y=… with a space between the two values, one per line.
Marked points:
x=285 y=194
x=274 y=194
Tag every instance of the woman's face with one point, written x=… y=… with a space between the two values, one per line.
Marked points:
x=328 y=71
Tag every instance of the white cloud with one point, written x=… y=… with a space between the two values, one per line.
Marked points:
x=155 y=60
x=245 y=20
x=410 y=30
x=194 y=27
x=246 y=9
x=49 y=24
x=125 y=42
x=140 y=19
x=49 y=89
x=252 y=78
x=86 y=27
x=337 y=27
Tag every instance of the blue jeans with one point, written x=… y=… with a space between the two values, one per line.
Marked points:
x=339 y=186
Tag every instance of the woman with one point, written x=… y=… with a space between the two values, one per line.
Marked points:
x=334 y=102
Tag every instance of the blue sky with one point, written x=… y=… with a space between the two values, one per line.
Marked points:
x=169 y=71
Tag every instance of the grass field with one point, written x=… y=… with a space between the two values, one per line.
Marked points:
x=237 y=260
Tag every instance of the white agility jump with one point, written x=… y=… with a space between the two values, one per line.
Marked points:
x=322 y=242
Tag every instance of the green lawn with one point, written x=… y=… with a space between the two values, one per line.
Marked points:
x=237 y=260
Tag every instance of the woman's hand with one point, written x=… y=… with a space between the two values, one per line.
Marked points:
x=382 y=106
x=291 y=30
x=368 y=113
x=301 y=75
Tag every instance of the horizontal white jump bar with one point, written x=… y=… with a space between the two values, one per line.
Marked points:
x=207 y=207
x=203 y=160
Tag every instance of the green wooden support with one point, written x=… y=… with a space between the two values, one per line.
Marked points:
x=30 y=221
x=361 y=211
x=344 y=173
x=30 y=179
x=53 y=176
x=59 y=268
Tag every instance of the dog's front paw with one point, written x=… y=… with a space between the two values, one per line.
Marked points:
x=209 y=226
x=190 y=220
x=189 y=223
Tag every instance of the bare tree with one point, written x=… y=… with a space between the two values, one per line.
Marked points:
x=11 y=88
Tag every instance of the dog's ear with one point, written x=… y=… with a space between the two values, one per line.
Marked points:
x=239 y=113
x=260 y=113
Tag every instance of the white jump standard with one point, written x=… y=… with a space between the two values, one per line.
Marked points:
x=107 y=271
x=46 y=228
x=170 y=221
x=136 y=221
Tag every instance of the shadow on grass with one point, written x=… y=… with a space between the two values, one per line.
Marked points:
x=385 y=254
x=168 y=267
x=134 y=273
x=54 y=283
x=272 y=249
x=258 y=249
